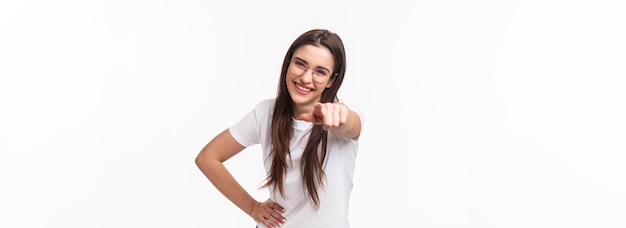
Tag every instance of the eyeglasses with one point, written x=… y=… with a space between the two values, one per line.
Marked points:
x=299 y=67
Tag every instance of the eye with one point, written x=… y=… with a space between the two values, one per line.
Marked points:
x=322 y=72
x=299 y=63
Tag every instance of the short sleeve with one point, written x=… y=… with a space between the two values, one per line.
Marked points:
x=247 y=131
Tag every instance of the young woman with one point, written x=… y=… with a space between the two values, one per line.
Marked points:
x=309 y=140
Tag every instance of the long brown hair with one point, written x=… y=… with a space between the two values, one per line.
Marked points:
x=282 y=120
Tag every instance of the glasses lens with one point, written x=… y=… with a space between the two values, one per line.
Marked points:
x=297 y=67
x=321 y=75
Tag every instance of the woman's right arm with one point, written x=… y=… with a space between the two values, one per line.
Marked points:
x=210 y=161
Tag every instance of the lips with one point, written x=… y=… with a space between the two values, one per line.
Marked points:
x=302 y=90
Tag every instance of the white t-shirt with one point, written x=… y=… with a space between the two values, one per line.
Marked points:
x=341 y=154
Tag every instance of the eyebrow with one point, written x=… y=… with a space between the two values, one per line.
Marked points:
x=305 y=62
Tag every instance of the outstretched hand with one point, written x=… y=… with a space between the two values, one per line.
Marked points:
x=330 y=115
x=268 y=213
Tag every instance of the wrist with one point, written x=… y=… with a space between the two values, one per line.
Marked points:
x=253 y=207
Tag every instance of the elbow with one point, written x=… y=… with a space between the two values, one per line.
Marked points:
x=207 y=164
x=198 y=160
x=204 y=161
x=201 y=160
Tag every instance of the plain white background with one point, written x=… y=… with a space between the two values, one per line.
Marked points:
x=478 y=113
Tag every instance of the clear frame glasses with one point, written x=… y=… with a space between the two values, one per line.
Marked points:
x=298 y=67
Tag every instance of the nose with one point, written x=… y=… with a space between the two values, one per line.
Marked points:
x=306 y=76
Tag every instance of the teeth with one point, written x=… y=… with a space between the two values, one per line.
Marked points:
x=302 y=88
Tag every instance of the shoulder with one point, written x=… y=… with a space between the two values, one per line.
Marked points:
x=264 y=108
x=357 y=108
x=266 y=104
x=353 y=105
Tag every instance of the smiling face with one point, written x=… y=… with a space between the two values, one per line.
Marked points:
x=305 y=92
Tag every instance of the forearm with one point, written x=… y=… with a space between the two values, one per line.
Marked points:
x=221 y=178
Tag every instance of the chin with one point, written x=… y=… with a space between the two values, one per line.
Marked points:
x=299 y=100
